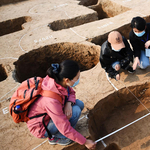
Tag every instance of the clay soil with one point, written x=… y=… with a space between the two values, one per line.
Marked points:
x=34 y=34
x=118 y=110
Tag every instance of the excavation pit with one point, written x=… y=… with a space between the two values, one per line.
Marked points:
x=88 y=2
x=118 y=110
x=13 y=25
x=3 y=74
x=36 y=62
x=107 y=9
x=4 y=2
x=72 y=22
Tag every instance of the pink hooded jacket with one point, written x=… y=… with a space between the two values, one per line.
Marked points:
x=54 y=109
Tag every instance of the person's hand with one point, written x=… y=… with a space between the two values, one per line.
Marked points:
x=147 y=44
x=90 y=144
x=117 y=67
x=117 y=77
x=136 y=62
x=68 y=110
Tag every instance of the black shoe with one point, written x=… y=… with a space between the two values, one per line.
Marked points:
x=130 y=69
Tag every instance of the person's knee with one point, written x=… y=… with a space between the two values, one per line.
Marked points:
x=144 y=65
x=76 y=111
x=80 y=104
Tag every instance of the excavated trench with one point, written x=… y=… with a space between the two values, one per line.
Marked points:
x=88 y=2
x=4 y=2
x=3 y=74
x=13 y=25
x=124 y=30
x=72 y=22
x=108 y=8
x=36 y=62
x=115 y=111
x=104 y=9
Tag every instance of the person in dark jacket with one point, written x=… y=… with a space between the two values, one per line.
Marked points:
x=140 y=41
x=116 y=54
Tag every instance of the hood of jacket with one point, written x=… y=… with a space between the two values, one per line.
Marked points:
x=49 y=84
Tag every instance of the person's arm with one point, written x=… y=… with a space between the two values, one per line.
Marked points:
x=135 y=45
x=129 y=52
x=147 y=44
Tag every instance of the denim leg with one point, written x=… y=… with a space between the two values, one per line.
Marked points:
x=53 y=130
x=144 y=60
x=76 y=112
x=80 y=104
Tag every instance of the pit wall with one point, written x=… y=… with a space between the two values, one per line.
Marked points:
x=36 y=62
x=13 y=25
x=103 y=109
x=107 y=9
x=4 y=2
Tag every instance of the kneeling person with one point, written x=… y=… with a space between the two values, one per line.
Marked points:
x=116 y=54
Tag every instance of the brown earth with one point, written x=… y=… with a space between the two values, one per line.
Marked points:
x=35 y=33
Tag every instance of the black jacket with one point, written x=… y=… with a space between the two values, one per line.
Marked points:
x=108 y=57
x=138 y=43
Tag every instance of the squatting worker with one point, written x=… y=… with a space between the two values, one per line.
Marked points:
x=116 y=54
x=140 y=41
x=61 y=118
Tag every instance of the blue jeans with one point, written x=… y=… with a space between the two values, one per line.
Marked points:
x=144 y=60
x=76 y=112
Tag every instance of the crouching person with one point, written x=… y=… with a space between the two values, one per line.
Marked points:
x=116 y=54
x=61 y=118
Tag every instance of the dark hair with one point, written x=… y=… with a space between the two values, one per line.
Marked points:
x=138 y=23
x=67 y=69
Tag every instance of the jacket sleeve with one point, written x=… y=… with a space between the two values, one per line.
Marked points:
x=128 y=55
x=72 y=96
x=129 y=52
x=106 y=64
x=55 y=111
x=135 y=45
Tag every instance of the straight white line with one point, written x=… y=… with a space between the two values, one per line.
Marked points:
x=9 y=91
x=40 y=144
x=111 y=82
x=122 y=128
x=103 y=143
x=9 y=58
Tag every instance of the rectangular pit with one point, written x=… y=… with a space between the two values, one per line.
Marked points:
x=4 y=2
x=13 y=25
x=72 y=22
x=108 y=8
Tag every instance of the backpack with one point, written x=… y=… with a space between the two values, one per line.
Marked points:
x=29 y=91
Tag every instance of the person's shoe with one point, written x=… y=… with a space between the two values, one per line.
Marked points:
x=60 y=141
x=130 y=69
x=64 y=141
x=53 y=140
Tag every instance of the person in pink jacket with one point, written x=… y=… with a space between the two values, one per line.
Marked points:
x=61 y=119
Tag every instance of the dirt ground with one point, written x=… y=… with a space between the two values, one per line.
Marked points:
x=35 y=33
